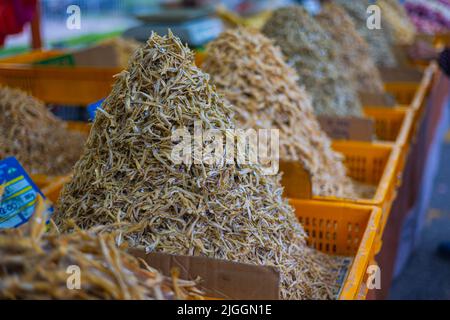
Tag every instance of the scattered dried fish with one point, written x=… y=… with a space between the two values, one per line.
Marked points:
x=223 y=211
x=34 y=265
x=249 y=70
x=39 y=140
x=353 y=51
x=378 y=39
x=310 y=49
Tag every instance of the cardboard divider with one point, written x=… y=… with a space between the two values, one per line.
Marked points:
x=219 y=279
x=348 y=128
x=386 y=100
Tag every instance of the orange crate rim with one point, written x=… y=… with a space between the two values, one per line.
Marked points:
x=354 y=286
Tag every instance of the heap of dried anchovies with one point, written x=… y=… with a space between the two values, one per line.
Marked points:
x=39 y=140
x=353 y=52
x=377 y=39
x=249 y=70
x=313 y=54
x=395 y=15
x=222 y=210
x=34 y=265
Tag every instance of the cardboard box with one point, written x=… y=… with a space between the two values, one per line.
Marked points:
x=220 y=279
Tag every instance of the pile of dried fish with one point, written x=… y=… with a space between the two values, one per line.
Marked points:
x=377 y=39
x=312 y=52
x=395 y=15
x=354 y=52
x=124 y=48
x=34 y=265
x=221 y=210
x=39 y=140
x=249 y=70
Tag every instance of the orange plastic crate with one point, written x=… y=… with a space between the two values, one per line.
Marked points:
x=394 y=125
x=66 y=85
x=375 y=164
x=344 y=230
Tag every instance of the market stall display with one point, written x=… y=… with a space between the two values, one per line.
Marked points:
x=221 y=210
x=32 y=134
x=313 y=54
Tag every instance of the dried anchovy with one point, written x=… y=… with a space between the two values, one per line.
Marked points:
x=223 y=211
x=34 y=265
x=124 y=48
x=378 y=40
x=353 y=51
x=313 y=54
x=249 y=70
x=403 y=30
x=39 y=140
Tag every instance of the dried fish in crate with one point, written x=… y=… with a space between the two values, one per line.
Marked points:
x=220 y=210
x=250 y=72
x=353 y=51
x=378 y=39
x=39 y=140
x=312 y=52
x=34 y=265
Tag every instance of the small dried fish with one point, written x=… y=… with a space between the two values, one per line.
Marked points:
x=196 y=209
x=39 y=140
x=395 y=15
x=34 y=265
x=250 y=72
x=353 y=51
x=379 y=40
x=312 y=52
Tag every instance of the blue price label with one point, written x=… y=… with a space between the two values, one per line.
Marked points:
x=18 y=196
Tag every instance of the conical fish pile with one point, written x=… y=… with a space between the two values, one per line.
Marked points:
x=221 y=210
x=249 y=70
x=353 y=51
x=378 y=39
x=34 y=265
x=39 y=140
x=312 y=52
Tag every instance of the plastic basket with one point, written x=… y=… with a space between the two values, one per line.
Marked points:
x=375 y=164
x=345 y=230
x=403 y=92
x=64 y=85
x=394 y=125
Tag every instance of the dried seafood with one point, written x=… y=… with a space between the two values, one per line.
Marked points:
x=378 y=40
x=34 y=265
x=222 y=210
x=39 y=140
x=313 y=54
x=403 y=30
x=249 y=70
x=353 y=51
